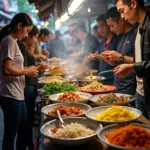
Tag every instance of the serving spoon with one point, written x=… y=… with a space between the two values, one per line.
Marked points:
x=63 y=125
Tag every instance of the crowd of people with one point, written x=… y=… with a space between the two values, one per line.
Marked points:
x=120 y=42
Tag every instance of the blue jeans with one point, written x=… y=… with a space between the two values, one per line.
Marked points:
x=14 y=123
x=140 y=104
x=30 y=98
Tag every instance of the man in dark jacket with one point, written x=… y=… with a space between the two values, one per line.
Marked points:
x=134 y=11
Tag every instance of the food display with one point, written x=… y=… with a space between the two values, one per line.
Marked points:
x=116 y=113
x=56 y=71
x=55 y=87
x=72 y=130
x=60 y=92
x=130 y=136
x=95 y=86
x=66 y=111
x=50 y=79
x=71 y=97
x=112 y=98
x=55 y=59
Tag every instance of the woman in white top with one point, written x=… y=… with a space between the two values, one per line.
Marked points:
x=12 y=81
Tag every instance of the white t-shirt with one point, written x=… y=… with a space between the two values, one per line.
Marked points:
x=138 y=58
x=11 y=86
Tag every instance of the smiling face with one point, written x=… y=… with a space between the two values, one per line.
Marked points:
x=128 y=13
x=115 y=25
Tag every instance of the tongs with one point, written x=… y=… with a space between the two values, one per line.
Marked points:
x=102 y=72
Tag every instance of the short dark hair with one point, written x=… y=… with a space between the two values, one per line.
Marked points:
x=57 y=32
x=34 y=31
x=128 y=2
x=101 y=18
x=113 y=14
x=95 y=28
x=72 y=25
x=44 y=31
x=79 y=27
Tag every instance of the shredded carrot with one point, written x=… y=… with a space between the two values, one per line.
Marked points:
x=130 y=136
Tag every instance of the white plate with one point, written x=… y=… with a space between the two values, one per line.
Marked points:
x=95 y=98
x=87 y=96
x=45 y=130
x=83 y=107
x=98 y=110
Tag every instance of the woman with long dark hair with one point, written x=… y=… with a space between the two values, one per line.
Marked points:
x=12 y=81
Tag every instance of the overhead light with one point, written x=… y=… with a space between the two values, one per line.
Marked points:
x=57 y=23
x=39 y=26
x=64 y=17
x=74 y=6
x=42 y=23
x=36 y=11
x=46 y=24
x=89 y=10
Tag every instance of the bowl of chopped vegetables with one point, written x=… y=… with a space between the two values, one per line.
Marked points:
x=55 y=87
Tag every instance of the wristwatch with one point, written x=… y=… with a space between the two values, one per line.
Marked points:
x=121 y=58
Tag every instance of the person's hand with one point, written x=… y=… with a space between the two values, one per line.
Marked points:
x=45 y=52
x=43 y=57
x=103 y=57
x=123 y=70
x=86 y=60
x=71 y=49
x=32 y=72
x=42 y=67
x=91 y=56
x=73 y=55
x=111 y=55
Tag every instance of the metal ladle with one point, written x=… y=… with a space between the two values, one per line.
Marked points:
x=63 y=125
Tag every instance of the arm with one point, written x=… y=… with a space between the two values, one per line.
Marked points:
x=10 y=70
x=142 y=69
x=112 y=56
x=128 y=59
x=123 y=70
x=40 y=56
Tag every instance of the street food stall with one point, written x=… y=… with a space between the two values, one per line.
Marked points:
x=91 y=105
x=78 y=109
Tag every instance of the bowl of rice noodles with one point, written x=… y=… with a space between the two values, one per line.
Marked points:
x=78 y=131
